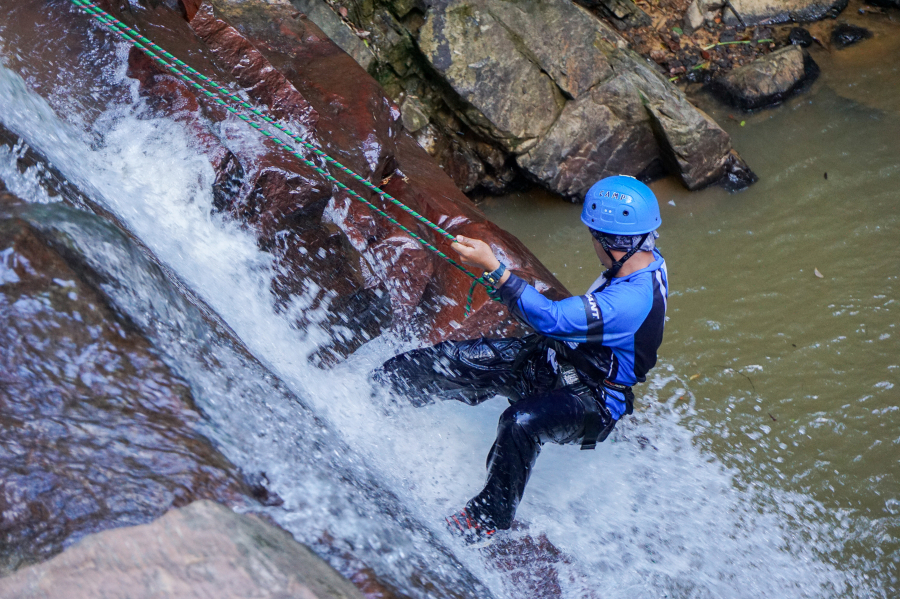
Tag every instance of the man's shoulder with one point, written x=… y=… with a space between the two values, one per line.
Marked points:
x=636 y=282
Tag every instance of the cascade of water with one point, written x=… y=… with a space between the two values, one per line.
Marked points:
x=646 y=515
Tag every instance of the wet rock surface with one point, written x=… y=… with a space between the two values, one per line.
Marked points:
x=768 y=80
x=755 y=12
x=799 y=36
x=191 y=339
x=96 y=431
x=202 y=550
x=359 y=126
x=531 y=562
x=846 y=34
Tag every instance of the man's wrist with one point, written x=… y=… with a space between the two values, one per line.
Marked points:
x=494 y=277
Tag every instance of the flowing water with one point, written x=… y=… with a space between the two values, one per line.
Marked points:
x=759 y=463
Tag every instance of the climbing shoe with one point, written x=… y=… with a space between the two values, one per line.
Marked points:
x=470 y=530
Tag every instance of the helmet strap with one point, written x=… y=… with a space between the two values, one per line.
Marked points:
x=613 y=270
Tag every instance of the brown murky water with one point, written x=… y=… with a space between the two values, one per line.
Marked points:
x=796 y=377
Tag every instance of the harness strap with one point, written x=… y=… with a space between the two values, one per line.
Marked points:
x=616 y=386
x=613 y=270
x=597 y=419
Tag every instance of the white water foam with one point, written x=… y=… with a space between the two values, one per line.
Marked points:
x=25 y=184
x=648 y=514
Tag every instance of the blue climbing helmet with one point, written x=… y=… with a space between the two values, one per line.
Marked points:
x=621 y=205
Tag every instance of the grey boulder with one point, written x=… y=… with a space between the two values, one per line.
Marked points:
x=631 y=124
x=505 y=95
x=768 y=80
x=555 y=86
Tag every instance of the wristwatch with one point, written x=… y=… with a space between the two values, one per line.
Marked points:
x=493 y=278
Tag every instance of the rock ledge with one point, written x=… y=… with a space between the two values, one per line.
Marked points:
x=202 y=550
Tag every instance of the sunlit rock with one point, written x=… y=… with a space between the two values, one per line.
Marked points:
x=753 y=12
x=202 y=550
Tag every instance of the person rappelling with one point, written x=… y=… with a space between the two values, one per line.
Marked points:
x=570 y=381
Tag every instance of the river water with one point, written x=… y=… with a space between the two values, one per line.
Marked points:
x=762 y=459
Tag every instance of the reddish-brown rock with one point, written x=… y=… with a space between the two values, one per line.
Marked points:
x=331 y=250
x=360 y=127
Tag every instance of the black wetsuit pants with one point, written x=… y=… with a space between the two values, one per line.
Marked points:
x=541 y=412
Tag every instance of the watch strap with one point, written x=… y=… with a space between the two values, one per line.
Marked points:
x=493 y=278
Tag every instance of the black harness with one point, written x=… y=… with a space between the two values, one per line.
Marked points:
x=598 y=422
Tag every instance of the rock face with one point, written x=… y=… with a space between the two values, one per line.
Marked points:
x=515 y=80
x=95 y=430
x=768 y=80
x=572 y=110
x=340 y=32
x=358 y=125
x=506 y=96
x=202 y=550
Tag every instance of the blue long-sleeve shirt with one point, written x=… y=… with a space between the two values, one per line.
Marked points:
x=616 y=332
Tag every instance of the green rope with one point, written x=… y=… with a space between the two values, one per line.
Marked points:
x=470 y=296
x=222 y=95
x=763 y=41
